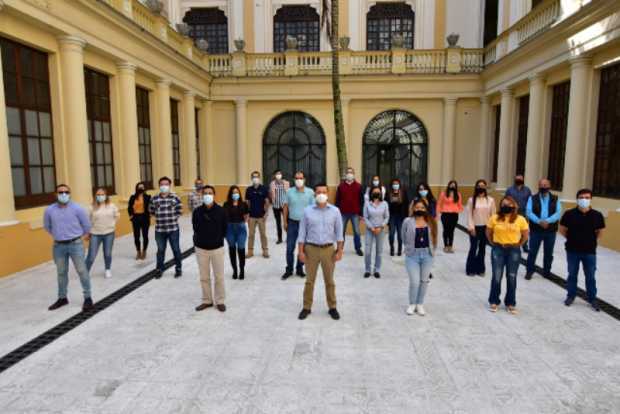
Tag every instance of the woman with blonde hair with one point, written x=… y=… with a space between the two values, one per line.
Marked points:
x=103 y=216
x=420 y=239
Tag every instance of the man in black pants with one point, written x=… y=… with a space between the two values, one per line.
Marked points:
x=277 y=189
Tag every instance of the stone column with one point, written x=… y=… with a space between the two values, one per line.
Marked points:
x=164 y=132
x=7 y=202
x=76 y=130
x=533 y=154
x=449 y=127
x=202 y=142
x=188 y=141
x=209 y=148
x=241 y=107
x=485 y=146
x=575 y=155
x=504 y=157
x=128 y=127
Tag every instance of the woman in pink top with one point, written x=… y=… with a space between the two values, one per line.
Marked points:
x=449 y=206
x=480 y=208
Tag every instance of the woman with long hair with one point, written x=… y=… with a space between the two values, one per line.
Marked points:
x=399 y=204
x=506 y=231
x=375 y=182
x=449 y=206
x=138 y=209
x=423 y=191
x=376 y=216
x=237 y=233
x=420 y=238
x=103 y=217
x=480 y=208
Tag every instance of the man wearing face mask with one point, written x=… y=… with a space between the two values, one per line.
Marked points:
x=167 y=208
x=582 y=226
x=67 y=222
x=277 y=189
x=257 y=197
x=320 y=228
x=210 y=223
x=350 y=200
x=521 y=193
x=195 y=197
x=543 y=210
x=297 y=199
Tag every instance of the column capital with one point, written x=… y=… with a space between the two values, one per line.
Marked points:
x=484 y=100
x=507 y=92
x=580 y=61
x=536 y=77
x=73 y=42
x=126 y=66
x=450 y=100
x=163 y=83
x=189 y=94
x=241 y=101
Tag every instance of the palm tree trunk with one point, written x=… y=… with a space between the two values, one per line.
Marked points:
x=341 y=144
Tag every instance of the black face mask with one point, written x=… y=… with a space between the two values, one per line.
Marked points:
x=419 y=213
x=140 y=190
x=480 y=191
x=543 y=190
x=518 y=182
x=506 y=209
x=375 y=196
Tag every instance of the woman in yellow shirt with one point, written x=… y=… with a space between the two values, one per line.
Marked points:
x=506 y=231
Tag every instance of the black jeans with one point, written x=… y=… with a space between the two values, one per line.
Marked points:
x=449 y=220
x=277 y=213
x=477 y=250
x=141 y=224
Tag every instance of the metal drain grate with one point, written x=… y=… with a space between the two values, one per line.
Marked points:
x=606 y=307
x=62 y=328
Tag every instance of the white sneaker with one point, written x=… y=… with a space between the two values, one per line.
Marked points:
x=420 y=310
x=108 y=274
x=410 y=309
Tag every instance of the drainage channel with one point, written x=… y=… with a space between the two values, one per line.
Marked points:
x=606 y=307
x=73 y=322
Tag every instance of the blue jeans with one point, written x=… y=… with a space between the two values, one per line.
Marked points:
x=292 y=231
x=508 y=258
x=355 y=221
x=377 y=240
x=588 y=261
x=418 y=267
x=93 y=248
x=173 y=238
x=548 y=240
x=477 y=249
x=396 y=226
x=62 y=253
x=237 y=235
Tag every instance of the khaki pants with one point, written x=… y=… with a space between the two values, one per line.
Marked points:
x=207 y=260
x=325 y=257
x=252 y=222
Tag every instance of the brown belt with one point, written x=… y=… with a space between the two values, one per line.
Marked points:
x=321 y=246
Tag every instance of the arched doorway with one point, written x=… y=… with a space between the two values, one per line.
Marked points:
x=395 y=146
x=294 y=141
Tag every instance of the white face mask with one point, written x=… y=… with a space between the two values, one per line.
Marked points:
x=321 y=198
x=299 y=182
x=255 y=180
x=100 y=198
x=395 y=186
x=278 y=177
x=164 y=188
x=375 y=183
x=350 y=177
x=584 y=203
x=208 y=199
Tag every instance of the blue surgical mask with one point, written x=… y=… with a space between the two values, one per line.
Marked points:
x=208 y=199
x=584 y=203
x=100 y=198
x=395 y=186
x=64 y=198
x=236 y=196
x=423 y=193
x=164 y=188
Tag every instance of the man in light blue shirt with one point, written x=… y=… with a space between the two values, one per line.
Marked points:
x=297 y=199
x=319 y=229
x=67 y=222
x=543 y=210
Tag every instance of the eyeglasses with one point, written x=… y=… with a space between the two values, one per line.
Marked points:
x=64 y=192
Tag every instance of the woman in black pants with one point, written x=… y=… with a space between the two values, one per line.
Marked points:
x=449 y=206
x=138 y=209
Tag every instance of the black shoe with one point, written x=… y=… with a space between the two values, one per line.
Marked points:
x=158 y=274
x=569 y=300
x=400 y=251
x=300 y=273
x=391 y=250
x=304 y=314
x=377 y=275
x=471 y=274
x=221 y=307
x=366 y=275
x=481 y=274
x=88 y=305
x=359 y=252
x=235 y=276
x=286 y=275
x=241 y=276
x=430 y=275
x=279 y=241
x=334 y=314
x=178 y=274
x=528 y=276
x=59 y=303
x=203 y=306
x=595 y=305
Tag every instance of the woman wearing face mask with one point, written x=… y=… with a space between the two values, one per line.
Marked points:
x=480 y=208
x=376 y=217
x=449 y=206
x=420 y=238
x=507 y=231
x=375 y=182
x=399 y=204
x=423 y=192
x=103 y=216
x=138 y=209
x=236 y=232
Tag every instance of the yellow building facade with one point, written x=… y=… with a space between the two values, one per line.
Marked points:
x=112 y=92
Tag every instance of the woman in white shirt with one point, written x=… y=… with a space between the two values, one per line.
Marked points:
x=103 y=216
x=480 y=208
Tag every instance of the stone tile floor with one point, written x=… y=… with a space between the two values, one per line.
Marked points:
x=151 y=353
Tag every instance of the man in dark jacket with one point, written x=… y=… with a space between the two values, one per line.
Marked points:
x=350 y=201
x=210 y=223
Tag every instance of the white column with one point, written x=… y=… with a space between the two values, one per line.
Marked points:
x=209 y=148
x=504 y=157
x=575 y=155
x=533 y=152
x=188 y=141
x=164 y=166
x=76 y=131
x=485 y=146
x=449 y=129
x=237 y=18
x=129 y=127
x=241 y=106
x=7 y=202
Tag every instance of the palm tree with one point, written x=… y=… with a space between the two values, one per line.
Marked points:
x=329 y=20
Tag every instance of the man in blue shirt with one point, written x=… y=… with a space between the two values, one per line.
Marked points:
x=543 y=210
x=68 y=223
x=258 y=199
x=295 y=202
x=521 y=193
x=319 y=229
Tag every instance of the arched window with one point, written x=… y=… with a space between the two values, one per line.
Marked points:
x=210 y=24
x=301 y=22
x=384 y=20
x=295 y=141
x=395 y=146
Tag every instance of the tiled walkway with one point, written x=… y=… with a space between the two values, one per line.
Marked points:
x=151 y=353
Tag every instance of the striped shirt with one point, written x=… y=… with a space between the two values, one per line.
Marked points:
x=278 y=192
x=167 y=211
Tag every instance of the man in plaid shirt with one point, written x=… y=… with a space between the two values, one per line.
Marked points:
x=195 y=197
x=166 y=207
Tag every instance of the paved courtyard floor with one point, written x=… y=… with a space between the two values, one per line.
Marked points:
x=151 y=352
